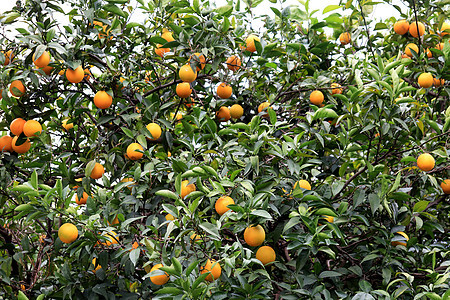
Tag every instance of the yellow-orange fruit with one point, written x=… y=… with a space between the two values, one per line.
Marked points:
x=438 y=82
x=67 y=126
x=75 y=76
x=445 y=186
x=96 y=266
x=47 y=70
x=168 y=36
x=265 y=254
x=32 y=128
x=224 y=90
x=16 y=126
x=250 y=42
x=23 y=148
x=18 y=85
x=215 y=271
x=67 y=233
x=43 y=60
x=445 y=28
x=401 y=27
x=316 y=98
x=329 y=218
x=233 y=63
x=186 y=188
x=6 y=143
x=222 y=203
x=184 y=90
x=345 y=38
x=97 y=171
x=200 y=59
x=223 y=114
x=395 y=243
x=132 y=153
x=111 y=239
x=303 y=184
x=429 y=53
x=187 y=74
x=169 y=217
x=102 y=100
x=336 y=88
x=236 y=111
x=254 y=235
x=409 y=47
x=262 y=107
x=413 y=29
x=155 y=130
x=159 y=279
x=425 y=162
x=161 y=51
x=81 y=200
x=9 y=56
x=425 y=80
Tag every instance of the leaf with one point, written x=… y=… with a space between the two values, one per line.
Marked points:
x=374 y=201
x=330 y=8
x=89 y=168
x=420 y=206
x=324 y=113
x=211 y=229
x=134 y=256
x=327 y=274
x=324 y=211
x=167 y=194
x=115 y=10
x=34 y=180
x=261 y=213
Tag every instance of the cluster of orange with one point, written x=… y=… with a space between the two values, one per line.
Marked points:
x=426 y=162
x=317 y=97
x=18 y=126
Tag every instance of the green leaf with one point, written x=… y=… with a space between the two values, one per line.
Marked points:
x=21 y=296
x=115 y=10
x=89 y=167
x=167 y=194
x=324 y=211
x=420 y=206
x=34 y=180
x=169 y=290
x=134 y=256
x=325 y=113
x=328 y=274
x=211 y=229
x=261 y=213
x=330 y=8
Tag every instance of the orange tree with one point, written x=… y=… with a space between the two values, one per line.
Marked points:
x=306 y=160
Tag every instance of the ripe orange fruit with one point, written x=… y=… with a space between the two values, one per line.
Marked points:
x=17 y=84
x=43 y=60
x=186 y=188
x=409 y=47
x=236 y=111
x=303 y=184
x=20 y=148
x=194 y=237
x=96 y=266
x=401 y=27
x=265 y=254
x=438 y=82
x=254 y=235
x=155 y=130
x=445 y=29
x=158 y=279
x=67 y=233
x=9 y=56
x=184 y=90
x=132 y=153
x=189 y=103
x=75 y=76
x=395 y=243
x=215 y=271
x=111 y=239
x=439 y=46
x=16 y=126
x=67 y=126
x=168 y=36
x=262 y=107
x=169 y=217
x=233 y=63
x=329 y=218
x=429 y=53
x=200 y=59
x=47 y=70
x=223 y=114
x=102 y=100
x=97 y=171
x=82 y=200
x=336 y=88
x=6 y=143
x=32 y=128
x=316 y=98
x=222 y=203
x=413 y=29
x=87 y=74
x=425 y=80
x=345 y=38
x=425 y=162
x=161 y=51
x=224 y=90
x=187 y=74
x=445 y=186
x=250 y=42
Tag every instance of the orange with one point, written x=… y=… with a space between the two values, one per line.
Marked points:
x=215 y=271
x=158 y=279
x=438 y=82
x=303 y=184
x=155 y=130
x=409 y=47
x=186 y=188
x=401 y=27
x=425 y=162
x=87 y=74
x=316 y=98
x=224 y=90
x=111 y=239
x=200 y=60
x=47 y=70
x=169 y=217
x=250 y=42
x=440 y=46
x=425 y=80
x=395 y=243
x=9 y=56
x=97 y=171
x=345 y=38
x=32 y=128
x=132 y=153
x=102 y=100
x=67 y=233
x=161 y=51
x=265 y=254
x=222 y=203
x=67 y=126
x=96 y=266
x=75 y=76
x=6 y=143
x=236 y=111
x=445 y=186
x=254 y=235
x=16 y=126
x=329 y=218
x=130 y=187
x=20 y=148
x=189 y=103
x=429 y=53
x=336 y=88
x=17 y=84
x=223 y=114
x=168 y=36
x=413 y=29
x=184 y=90
x=262 y=107
x=187 y=74
x=195 y=237
x=445 y=28
x=233 y=63
x=82 y=200
x=43 y=60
